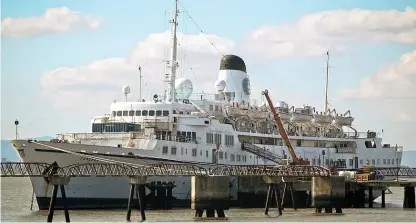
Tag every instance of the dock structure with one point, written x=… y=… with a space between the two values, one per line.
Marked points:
x=210 y=187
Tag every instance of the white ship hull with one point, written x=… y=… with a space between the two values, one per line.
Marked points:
x=103 y=192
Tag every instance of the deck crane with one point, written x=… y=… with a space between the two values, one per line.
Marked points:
x=283 y=133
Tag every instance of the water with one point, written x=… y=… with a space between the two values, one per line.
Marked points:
x=16 y=197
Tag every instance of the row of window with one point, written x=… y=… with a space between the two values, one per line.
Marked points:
x=216 y=138
x=351 y=162
x=221 y=155
x=115 y=127
x=141 y=113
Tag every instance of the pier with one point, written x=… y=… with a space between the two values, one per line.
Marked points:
x=210 y=185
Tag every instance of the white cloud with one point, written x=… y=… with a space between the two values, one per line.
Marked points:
x=313 y=34
x=392 y=90
x=97 y=84
x=55 y=20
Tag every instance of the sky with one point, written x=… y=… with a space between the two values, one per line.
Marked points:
x=64 y=62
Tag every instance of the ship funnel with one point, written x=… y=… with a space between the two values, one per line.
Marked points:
x=233 y=80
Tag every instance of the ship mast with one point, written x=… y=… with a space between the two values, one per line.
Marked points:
x=172 y=62
x=326 y=83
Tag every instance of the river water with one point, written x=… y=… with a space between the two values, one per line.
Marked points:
x=16 y=198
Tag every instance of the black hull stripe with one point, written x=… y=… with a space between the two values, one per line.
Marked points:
x=126 y=156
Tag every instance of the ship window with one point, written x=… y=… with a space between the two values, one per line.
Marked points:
x=373 y=162
x=138 y=113
x=131 y=113
x=119 y=113
x=221 y=155
x=165 y=113
x=211 y=107
x=158 y=113
x=174 y=111
x=125 y=113
x=186 y=151
x=238 y=158
x=144 y=113
x=181 y=150
x=384 y=161
x=229 y=140
x=388 y=161
x=217 y=138
x=299 y=143
x=210 y=138
x=164 y=150
x=206 y=153
x=351 y=162
x=200 y=152
x=313 y=162
x=151 y=113
x=194 y=152
x=225 y=155
x=206 y=122
x=114 y=113
x=392 y=161
x=378 y=161
x=361 y=162
x=173 y=150
x=232 y=157
x=193 y=136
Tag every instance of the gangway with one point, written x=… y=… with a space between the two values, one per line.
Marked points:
x=261 y=152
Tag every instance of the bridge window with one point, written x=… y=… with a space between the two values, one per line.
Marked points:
x=119 y=113
x=211 y=107
x=217 y=138
x=151 y=113
x=225 y=155
x=194 y=152
x=131 y=113
x=114 y=113
x=351 y=162
x=158 y=113
x=221 y=154
x=210 y=138
x=138 y=113
x=384 y=161
x=298 y=142
x=373 y=162
x=378 y=161
x=144 y=113
x=361 y=162
x=232 y=157
x=370 y=144
x=392 y=161
x=125 y=113
x=200 y=152
x=388 y=161
x=173 y=150
x=238 y=158
x=229 y=140
x=165 y=113
x=206 y=153
x=165 y=150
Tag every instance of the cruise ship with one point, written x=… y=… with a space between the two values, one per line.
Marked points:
x=180 y=126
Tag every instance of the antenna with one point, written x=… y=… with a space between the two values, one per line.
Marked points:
x=140 y=83
x=326 y=83
x=16 y=123
x=173 y=64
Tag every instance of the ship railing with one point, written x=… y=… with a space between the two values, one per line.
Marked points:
x=97 y=135
x=362 y=135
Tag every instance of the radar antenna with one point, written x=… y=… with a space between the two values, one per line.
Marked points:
x=16 y=123
x=172 y=63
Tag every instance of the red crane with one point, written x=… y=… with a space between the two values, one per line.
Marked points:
x=283 y=133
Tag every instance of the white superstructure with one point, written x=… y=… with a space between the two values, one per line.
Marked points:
x=182 y=127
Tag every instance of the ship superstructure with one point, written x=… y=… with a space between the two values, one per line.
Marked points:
x=226 y=127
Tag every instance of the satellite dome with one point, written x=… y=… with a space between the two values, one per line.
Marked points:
x=126 y=89
x=183 y=88
x=232 y=62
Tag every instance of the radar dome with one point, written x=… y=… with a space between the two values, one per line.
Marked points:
x=126 y=89
x=183 y=88
x=220 y=85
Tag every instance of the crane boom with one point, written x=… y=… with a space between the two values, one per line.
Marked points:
x=283 y=131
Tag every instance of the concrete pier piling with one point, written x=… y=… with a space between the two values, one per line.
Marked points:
x=328 y=193
x=210 y=194
x=409 y=197
x=58 y=181
x=137 y=185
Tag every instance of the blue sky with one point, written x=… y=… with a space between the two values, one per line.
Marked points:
x=48 y=84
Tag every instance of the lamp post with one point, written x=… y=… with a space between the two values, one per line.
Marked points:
x=397 y=173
